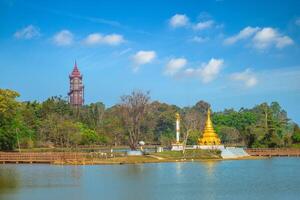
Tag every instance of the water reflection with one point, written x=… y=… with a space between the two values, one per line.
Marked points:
x=9 y=180
x=209 y=179
x=76 y=172
x=210 y=166
x=178 y=168
x=279 y=179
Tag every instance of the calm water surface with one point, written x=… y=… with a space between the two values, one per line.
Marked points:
x=277 y=178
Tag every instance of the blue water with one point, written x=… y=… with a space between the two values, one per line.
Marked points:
x=276 y=178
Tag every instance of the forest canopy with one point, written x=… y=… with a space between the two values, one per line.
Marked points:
x=55 y=123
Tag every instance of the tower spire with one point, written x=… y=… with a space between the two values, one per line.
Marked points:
x=76 y=94
x=76 y=71
x=75 y=65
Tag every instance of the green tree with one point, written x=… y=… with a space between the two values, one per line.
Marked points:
x=91 y=115
x=114 y=126
x=9 y=119
x=229 y=135
x=31 y=117
x=59 y=130
x=193 y=137
x=90 y=137
x=163 y=119
x=56 y=105
x=296 y=134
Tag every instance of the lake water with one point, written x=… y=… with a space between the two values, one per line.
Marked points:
x=276 y=178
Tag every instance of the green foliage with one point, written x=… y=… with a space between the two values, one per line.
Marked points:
x=229 y=135
x=262 y=126
x=113 y=126
x=55 y=105
x=239 y=120
x=167 y=138
x=55 y=123
x=296 y=135
x=91 y=115
x=193 y=137
x=89 y=136
x=9 y=119
x=163 y=120
x=8 y=138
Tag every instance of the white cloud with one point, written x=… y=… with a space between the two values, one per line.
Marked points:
x=113 y=39
x=175 y=65
x=199 y=39
x=142 y=58
x=243 y=34
x=28 y=32
x=262 y=38
x=208 y=71
x=247 y=77
x=297 y=22
x=203 y=25
x=267 y=37
x=284 y=41
x=110 y=39
x=63 y=38
x=178 y=20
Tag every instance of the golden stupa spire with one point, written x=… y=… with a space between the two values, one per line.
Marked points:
x=209 y=136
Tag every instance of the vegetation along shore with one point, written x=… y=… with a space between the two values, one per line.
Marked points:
x=54 y=124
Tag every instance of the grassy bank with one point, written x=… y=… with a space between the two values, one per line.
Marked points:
x=190 y=154
x=166 y=156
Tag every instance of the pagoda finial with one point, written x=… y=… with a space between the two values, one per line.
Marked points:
x=208 y=112
x=177 y=116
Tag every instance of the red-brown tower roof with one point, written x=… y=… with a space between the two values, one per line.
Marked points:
x=75 y=72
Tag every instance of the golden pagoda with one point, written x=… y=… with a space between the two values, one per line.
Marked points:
x=209 y=136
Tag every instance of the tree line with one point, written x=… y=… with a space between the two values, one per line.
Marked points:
x=55 y=123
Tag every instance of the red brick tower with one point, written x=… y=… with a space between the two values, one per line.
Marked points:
x=76 y=94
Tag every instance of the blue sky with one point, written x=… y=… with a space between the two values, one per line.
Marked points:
x=230 y=53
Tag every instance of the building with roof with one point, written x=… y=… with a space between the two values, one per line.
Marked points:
x=76 y=93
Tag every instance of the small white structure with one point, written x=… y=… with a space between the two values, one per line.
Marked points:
x=159 y=149
x=134 y=153
x=142 y=143
x=177 y=146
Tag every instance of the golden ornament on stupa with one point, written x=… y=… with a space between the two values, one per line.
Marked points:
x=209 y=136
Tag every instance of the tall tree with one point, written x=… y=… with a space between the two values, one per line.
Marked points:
x=133 y=110
x=113 y=125
x=189 y=119
x=9 y=119
x=163 y=117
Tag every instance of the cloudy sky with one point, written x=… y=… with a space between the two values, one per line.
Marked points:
x=230 y=53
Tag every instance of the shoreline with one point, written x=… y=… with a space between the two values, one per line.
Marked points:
x=117 y=158
x=131 y=160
